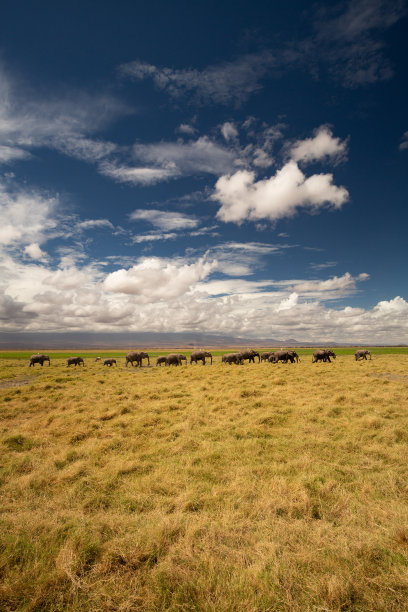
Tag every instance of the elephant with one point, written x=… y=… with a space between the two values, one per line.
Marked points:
x=323 y=355
x=232 y=358
x=294 y=355
x=138 y=357
x=110 y=362
x=199 y=356
x=362 y=354
x=250 y=354
x=182 y=358
x=75 y=361
x=284 y=356
x=39 y=359
x=160 y=360
x=265 y=356
x=175 y=359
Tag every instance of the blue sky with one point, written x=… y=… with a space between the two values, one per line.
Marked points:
x=172 y=167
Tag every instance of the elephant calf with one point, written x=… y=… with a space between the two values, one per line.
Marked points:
x=75 y=361
x=232 y=358
x=110 y=362
x=362 y=354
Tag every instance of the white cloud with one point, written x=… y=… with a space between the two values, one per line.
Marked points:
x=94 y=223
x=34 y=251
x=179 y=294
x=138 y=175
x=67 y=278
x=226 y=83
x=25 y=217
x=283 y=195
x=322 y=145
x=229 y=131
x=85 y=149
x=404 y=142
x=165 y=220
x=8 y=154
x=202 y=155
x=154 y=237
x=155 y=279
x=63 y=122
x=186 y=128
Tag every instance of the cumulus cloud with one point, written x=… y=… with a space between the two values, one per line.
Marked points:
x=165 y=220
x=225 y=83
x=322 y=145
x=185 y=294
x=25 y=216
x=34 y=251
x=155 y=279
x=283 y=195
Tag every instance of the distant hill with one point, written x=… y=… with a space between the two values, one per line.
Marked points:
x=122 y=340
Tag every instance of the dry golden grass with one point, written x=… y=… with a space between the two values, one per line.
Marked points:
x=216 y=488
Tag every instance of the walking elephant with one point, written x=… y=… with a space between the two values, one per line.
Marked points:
x=175 y=359
x=232 y=358
x=294 y=355
x=250 y=354
x=265 y=356
x=283 y=356
x=323 y=355
x=362 y=354
x=75 y=361
x=137 y=356
x=199 y=356
x=110 y=362
x=160 y=360
x=39 y=359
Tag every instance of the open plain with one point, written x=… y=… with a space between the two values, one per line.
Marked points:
x=259 y=487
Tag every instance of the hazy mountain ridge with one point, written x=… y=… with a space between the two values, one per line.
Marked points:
x=36 y=341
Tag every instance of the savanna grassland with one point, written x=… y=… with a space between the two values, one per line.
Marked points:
x=218 y=488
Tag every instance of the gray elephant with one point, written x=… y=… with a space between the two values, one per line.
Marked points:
x=283 y=356
x=175 y=359
x=362 y=354
x=110 y=362
x=199 y=356
x=137 y=356
x=265 y=356
x=160 y=360
x=323 y=355
x=182 y=358
x=39 y=359
x=294 y=355
x=75 y=361
x=250 y=354
x=232 y=358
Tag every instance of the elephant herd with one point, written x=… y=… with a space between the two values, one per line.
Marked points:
x=137 y=357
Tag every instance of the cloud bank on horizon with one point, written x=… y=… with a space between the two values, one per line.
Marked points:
x=205 y=198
